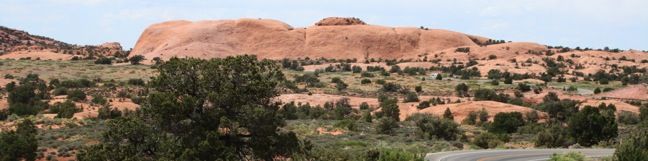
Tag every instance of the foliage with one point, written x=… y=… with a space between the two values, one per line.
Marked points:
x=389 y=108
x=589 y=126
x=462 y=90
x=20 y=144
x=26 y=98
x=106 y=112
x=634 y=148
x=76 y=95
x=103 y=60
x=386 y=125
x=553 y=136
x=436 y=128
x=447 y=114
x=487 y=140
x=571 y=156
x=411 y=97
x=506 y=122
x=136 y=60
x=65 y=109
x=218 y=109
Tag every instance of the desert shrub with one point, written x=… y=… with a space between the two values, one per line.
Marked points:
x=391 y=87
x=347 y=124
x=634 y=148
x=487 y=140
x=310 y=79
x=99 y=99
x=589 y=126
x=423 y=105
x=106 y=112
x=136 y=60
x=4 y=114
x=386 y=125
x=628 y=118
x=365 y=81
x=532 y=117
x=436 y=128
x=76 y=95
x=60 y=91
x=447 y=114
x=136 y=82
x=380 y=81
x=340 y=86
x=506 y=122
x=643 y=113
x=342 y=109
x=26 y=98
x=367 y=74
x=356 y=69
x=411 y=97
x=389 y=108
x=395 y=69
x=471 y=119
x=78 y=83
x=571 y=156
x=462 y=90
x=597 y=90
x=418 y=89
x=20 y=144
x=65 y=109
x=523 y=87
x=103 y=60
x=554 y=136
x=364 y=106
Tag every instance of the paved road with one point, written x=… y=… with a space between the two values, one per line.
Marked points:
x=512 y=155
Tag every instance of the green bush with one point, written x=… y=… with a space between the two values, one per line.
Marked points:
x=436 y=128
x=136 y=82
x=411 y=97
x=76 y=95
x=386 y=125
x=99 y=99
x=60 y=91
x=65 y=109
x=589 y=126
x=628 y=118
x=391 y=87
x=635 y=148
x=105 y=112
x=487 y=140
x=20 y=144
x=365 y=81
x=103 y=60
x=364 y=106
x=554 y=136
x=571 y=156
x=506 y=122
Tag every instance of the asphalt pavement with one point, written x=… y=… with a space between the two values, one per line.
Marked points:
x=513 y=154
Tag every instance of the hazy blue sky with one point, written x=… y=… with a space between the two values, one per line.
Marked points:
x=585 y=23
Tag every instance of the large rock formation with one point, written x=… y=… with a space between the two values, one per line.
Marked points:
x=339 y=38
x=20 y=44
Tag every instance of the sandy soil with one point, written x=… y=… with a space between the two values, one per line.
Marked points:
x=42 y=55
x=461 y=110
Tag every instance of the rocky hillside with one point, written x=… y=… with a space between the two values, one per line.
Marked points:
x=18 y=44
x=352 y=38
x=340 y=38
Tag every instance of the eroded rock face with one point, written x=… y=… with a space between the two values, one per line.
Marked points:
x=339 y=38
x=340 y=21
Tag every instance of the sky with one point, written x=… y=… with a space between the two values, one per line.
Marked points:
x=585 y=23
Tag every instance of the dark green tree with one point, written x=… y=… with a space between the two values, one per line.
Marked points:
x=389 y=107
x=506 y=122
x=218 y=109
x=589 y=126
x=447 y=114
x=20 y=144
x=462 y=90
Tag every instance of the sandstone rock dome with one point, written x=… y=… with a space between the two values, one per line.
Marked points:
x=340 y=38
